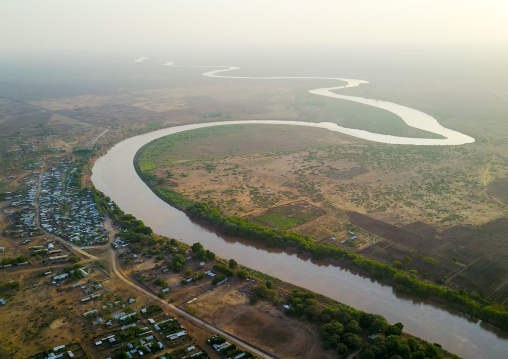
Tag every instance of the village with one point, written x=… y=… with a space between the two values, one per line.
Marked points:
x=68 y=212
x=58 y=204
x=50 y=219
x=22 y=209
x=118 y=322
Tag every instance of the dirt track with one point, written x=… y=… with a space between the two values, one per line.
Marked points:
x=195 y=320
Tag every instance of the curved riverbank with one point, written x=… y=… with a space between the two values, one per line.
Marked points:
x=412 y=118
x=114 y=175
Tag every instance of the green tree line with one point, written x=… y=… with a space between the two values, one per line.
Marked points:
x=346 y=330
x=469 y=303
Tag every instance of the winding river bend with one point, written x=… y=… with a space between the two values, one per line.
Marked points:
x=114 y=175
x=412 y=118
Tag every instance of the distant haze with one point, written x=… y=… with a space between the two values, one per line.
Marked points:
x=454 y=49
x=141 y=27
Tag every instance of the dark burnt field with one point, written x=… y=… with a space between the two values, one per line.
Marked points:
x=463 y=257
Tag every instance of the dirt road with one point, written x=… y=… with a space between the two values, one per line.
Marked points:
x=115 y=271
x=183 y=313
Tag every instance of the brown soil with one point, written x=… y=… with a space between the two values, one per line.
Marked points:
x=262 y=324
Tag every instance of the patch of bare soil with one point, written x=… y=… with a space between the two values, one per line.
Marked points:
x=58 y=323
x=261 y=324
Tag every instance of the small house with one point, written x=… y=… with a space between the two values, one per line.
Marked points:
x=55 y=349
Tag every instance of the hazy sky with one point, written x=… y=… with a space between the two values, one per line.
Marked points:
x=141 y=26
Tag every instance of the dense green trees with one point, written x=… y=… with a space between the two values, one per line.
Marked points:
x=72 y=268
x=242 y=274
x=395 y=329
x=347 y=330
x=136 y=248
x=162 y=282
x=199 y=252
x=105 y=205
x=152 y=309
x=130 y=223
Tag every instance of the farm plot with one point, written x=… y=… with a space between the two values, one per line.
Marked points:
x=289 y=215
x=486 y=276
x=472 y=258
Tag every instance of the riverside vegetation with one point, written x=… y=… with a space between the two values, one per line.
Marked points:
x=342 y=328
x=470 y=303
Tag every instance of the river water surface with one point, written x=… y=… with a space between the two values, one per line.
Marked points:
x=114 y=175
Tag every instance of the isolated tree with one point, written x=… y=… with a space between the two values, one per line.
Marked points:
x=197 y=247
x=232 y=264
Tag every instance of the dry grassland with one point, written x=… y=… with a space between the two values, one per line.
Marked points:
x=235 y=167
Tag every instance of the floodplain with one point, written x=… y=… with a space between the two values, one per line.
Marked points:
x=437 y=213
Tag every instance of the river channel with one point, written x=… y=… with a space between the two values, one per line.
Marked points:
x=114 y=175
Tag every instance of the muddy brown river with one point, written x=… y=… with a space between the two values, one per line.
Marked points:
x=114 y=175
